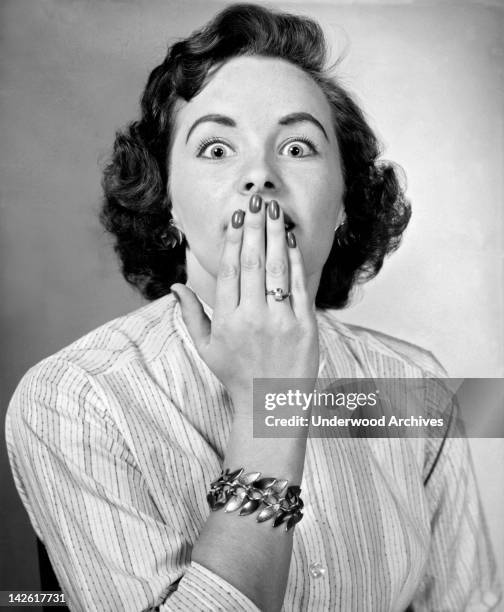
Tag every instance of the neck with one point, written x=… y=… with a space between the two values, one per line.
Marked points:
x=203 y=283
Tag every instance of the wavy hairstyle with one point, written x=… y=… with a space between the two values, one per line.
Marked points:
x=136 y=209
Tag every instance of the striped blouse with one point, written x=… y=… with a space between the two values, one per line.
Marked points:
x=114 y=440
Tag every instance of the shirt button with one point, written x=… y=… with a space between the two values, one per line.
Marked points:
x=490 y=599
x=317 y=570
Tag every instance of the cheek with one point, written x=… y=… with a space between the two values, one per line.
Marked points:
x=197 y=210
x=325 y=194
x=332 y=199
x=192 y=208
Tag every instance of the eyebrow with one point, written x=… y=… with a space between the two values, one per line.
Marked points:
x=220 y=119
x=301 y=117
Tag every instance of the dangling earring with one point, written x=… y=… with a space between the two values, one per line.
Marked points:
x=179 y=234
x=173 y=236
x=339 y=234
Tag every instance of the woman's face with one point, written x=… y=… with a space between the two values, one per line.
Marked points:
x=260 y=125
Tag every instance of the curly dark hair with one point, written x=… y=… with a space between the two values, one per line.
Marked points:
x=136 y=209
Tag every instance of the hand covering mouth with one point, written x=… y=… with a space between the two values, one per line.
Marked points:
x=289 y=224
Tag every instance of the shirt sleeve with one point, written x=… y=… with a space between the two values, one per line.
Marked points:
x=461 y=572
x=90 y=504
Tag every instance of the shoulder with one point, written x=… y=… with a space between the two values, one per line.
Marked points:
x=382 y=346
x=139 y=335
x=69 y=381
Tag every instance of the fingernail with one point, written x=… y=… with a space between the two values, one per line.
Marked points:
x=291 y=240
x=273 y=210
x=237 y=218
x=255 y=203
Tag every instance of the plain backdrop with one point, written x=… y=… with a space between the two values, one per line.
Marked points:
x=430 y=76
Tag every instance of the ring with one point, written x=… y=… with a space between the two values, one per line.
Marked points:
x=278 y=294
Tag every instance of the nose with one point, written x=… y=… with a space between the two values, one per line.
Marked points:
x=258 y=175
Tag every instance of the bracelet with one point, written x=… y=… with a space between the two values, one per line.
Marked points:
x=247 y=492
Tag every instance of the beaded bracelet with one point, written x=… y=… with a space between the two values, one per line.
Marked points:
x=247 y=492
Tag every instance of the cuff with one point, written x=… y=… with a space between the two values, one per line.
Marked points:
x=202 y=590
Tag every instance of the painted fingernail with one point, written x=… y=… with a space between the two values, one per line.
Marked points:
x=273 y=209
x=255 y=203
x=237 y=218
x=291 y=240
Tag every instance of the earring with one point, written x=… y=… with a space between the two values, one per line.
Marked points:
x=340 y=235
x=173 y=236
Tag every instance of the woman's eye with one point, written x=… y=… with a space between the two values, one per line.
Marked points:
x=298 y=148
x=215 y=149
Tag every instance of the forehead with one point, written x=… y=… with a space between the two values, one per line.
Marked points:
x=258 y=90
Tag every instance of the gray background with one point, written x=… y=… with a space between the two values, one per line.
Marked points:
x=429 y=74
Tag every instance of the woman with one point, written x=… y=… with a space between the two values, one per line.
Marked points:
x=248 y=192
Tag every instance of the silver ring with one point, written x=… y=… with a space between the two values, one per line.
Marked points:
x=278 y=294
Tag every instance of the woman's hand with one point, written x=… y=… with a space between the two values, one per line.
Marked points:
x=251 y=334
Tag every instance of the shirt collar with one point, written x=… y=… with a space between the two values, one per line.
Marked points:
x=208 y=309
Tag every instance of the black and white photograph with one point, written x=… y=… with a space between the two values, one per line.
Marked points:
x=252 y=310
